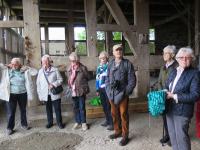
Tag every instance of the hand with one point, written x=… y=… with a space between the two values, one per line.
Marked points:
x=97 y=93
x=170 y=95
x=51 y=86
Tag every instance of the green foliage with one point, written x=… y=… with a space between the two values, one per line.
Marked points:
x=117 y=35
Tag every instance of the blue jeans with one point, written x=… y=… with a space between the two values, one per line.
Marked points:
x=106 y=106
x=79 y=109
x=21 y=99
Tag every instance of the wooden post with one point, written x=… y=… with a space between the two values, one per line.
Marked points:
x=32 y=30
x=90 y=16
x=2 y=56
x=70 y=34
x=196 y=38
x=141 y=20
x=46 y=36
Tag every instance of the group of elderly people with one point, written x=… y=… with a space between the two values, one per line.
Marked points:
x=115 y=81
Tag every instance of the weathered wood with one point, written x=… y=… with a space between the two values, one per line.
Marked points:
x=141 y=20
x=121 y=20
x=91 y=23
x=114 y=27
x=97 y=111
x=32 y=31
x=196 y=37
x=171 y=18
x=11 y=24
x=46 y=36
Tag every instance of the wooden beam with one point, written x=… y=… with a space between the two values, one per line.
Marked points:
x=114 y=27
x=121 y=20
x=11 y=24
x=91 y=23
x=171 y=18
x=196 y=37
x=52 y=7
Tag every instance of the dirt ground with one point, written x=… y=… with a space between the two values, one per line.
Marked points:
x=145 y=133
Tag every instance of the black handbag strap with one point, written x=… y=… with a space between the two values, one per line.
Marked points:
x=45 y=77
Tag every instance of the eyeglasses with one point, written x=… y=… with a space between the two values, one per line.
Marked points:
x=184 y=58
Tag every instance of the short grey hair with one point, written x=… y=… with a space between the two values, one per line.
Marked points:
x=74 y=56
x=16 y=60
x=103 y=54
x=46 y=57
x=170 y=48
x=187 y=50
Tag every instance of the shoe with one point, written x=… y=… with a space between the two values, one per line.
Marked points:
x=49 y=126
x=9 y=131
x=110 y=128
x=123 y=142
x=165 y=139
x=84 y=126
x=76 y=126
x=25 y=127
x=104 y=124
x=61 y=126
x=114 y=136
x=169 y=143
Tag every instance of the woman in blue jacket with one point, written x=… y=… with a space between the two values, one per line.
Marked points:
x=183 y=86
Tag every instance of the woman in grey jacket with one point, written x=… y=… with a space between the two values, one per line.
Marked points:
x=43 y=89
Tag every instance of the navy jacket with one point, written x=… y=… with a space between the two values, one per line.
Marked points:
x=125 y=74
x=187 y=90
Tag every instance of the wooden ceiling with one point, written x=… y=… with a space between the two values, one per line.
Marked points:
x=59 y=11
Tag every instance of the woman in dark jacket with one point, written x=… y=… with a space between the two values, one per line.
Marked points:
x=170 y=64
x=183 y=86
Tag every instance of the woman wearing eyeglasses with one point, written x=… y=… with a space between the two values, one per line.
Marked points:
x=183 y=86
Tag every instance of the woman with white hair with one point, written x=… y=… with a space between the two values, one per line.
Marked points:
x=16 y=87
x=78 y=82
x=49 y=77
x=101 y=74
x=170 y=63
x=183 y=86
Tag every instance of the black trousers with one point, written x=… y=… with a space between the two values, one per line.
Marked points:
x=57 y=108
x=165 y=124
x=21 y=99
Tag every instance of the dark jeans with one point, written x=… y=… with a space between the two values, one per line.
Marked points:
x=21 y=99
x=106 y=106
x=57 y=108
x=79 y=109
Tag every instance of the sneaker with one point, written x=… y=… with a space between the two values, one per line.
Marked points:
x=114 y=136
x=110 y=128
x=9 y=131
x=49 y=126
x=104 y=124
x=84 y=126
x=25 y=127
x=123 y=142
x=165 y=139
x=76 y=126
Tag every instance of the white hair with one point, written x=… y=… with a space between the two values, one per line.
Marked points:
x=170 y=48
x=16 y=60
x=103 y=54
x=74 y=56
x=186 y=50
x=46 y=57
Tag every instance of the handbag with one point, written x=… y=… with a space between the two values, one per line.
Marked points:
x=54 y=90
x=156 y=102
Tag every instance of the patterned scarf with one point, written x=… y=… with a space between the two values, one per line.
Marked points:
x=73 y=69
